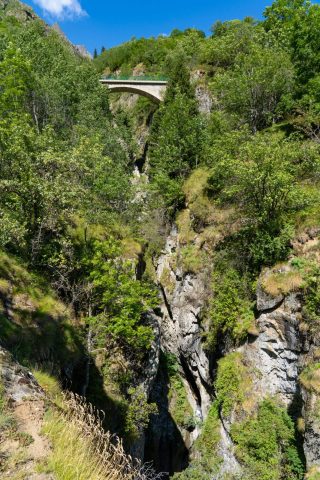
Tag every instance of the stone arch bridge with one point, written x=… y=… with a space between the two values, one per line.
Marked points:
x=150 y=87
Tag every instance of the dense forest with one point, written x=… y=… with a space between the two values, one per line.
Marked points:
x=96 y=187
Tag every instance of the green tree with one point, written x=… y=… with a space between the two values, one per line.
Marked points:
x=121 y=301
x=255 y=85
x=176 y=136
x=262 y=180
x=295 y=24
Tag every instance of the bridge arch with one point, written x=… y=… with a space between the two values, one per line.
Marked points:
x=152 y=89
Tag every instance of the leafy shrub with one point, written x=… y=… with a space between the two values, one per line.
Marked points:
x=192 y=259
x=205 y=461
x=230 y=308
x=121 y=299
x=233 y=383
x=139 y=411
x=179 y=405
x=265 y=445
x=311 y=308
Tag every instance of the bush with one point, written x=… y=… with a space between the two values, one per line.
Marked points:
x=205 y=461
x=233 y=383
x=265 y=445
x=179 y=406
x=231 y=311
x=139 y=411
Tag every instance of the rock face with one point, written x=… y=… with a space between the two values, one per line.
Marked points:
x=18 y=382
x=181 y=336
x=277 y=350
x=180 y=328
x=275 y=358
x=204 y=99
x=275 y=354
x=312 y=430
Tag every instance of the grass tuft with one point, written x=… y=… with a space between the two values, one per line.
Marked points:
x=82 y=450
x=282 y=282
x=310 y=377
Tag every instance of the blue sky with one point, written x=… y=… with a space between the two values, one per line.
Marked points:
x=94 y=23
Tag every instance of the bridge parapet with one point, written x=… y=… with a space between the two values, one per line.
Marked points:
x=137 y=78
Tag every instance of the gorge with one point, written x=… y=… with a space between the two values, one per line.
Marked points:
x=160 y=260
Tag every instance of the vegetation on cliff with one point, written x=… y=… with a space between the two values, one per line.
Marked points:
x=80 y=237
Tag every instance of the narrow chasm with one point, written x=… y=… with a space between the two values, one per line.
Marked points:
x=165 y=446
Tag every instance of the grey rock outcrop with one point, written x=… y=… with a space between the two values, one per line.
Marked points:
x=18 y=382
x=277 y=350
x=180 y=327
x=275 y=358
x=204 y=99
x=312 y=430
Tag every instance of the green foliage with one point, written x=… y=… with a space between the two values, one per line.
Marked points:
x=255 y=85
x=151 y=53
x=58 y=147
x=192 y=259
x=311 y=308
x=265 y=444
x=139 y=411
x=231 y=311
x=295 y=24
x=206 y=461
x=229 y=39
x=121 y=300
x=263 y=182
x=40 y=327
x=175 y=142
x=232 y=382
x=179 y=405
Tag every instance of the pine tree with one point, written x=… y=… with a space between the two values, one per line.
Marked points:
x=95 y=53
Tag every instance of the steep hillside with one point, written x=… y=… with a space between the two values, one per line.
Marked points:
x=163 y=261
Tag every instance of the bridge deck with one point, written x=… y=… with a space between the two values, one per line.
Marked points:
x=113 y=81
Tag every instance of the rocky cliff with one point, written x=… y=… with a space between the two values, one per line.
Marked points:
x=273 y=365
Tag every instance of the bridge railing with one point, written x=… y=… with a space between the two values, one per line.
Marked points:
x=146 y=78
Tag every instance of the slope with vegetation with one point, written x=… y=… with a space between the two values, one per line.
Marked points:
x=224 y=205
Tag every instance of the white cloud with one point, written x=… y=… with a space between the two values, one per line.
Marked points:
x=62 y=8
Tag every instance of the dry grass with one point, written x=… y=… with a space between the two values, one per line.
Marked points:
x=167 y=281
x=313 y=473
x=82 y=450
x=310 y=378
x=282 y=282
x=4 y=286
x=196 y=184
x=186 y=233
x=131 y=248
